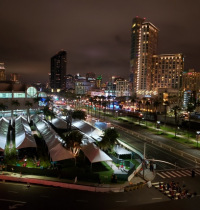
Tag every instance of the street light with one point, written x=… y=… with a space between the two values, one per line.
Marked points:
x=197 y=137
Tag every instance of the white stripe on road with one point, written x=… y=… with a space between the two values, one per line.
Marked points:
x=165 y=174
x=180 y=173
x=185 y=172
x=197 y=172
x=170 y=174
x=160 y=175
x=176 y=174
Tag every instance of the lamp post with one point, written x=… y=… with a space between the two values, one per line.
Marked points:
x=197 y=137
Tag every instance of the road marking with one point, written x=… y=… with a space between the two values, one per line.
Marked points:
x=156 y=198
x=170 y=174
x=121 y=201
x=197 y=172
x=7 y=200
x=176 y=174
x=166 y=174
x=13 y=191
x=181 y=173
x=161 y=175
x=185 y=172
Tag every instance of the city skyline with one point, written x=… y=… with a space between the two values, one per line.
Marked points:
x=96 y=35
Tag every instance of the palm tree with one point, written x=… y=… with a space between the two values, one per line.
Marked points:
x=176 y=109
x=165 y=104
x=190 y=108
x=147 y=104
x=3 y=107
x=73 y=141
x=14 y=104
x=108 y=139
x=139 y=104
x=28 y=104
x=156 y=105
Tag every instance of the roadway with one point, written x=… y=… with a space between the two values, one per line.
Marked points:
x=18 y=196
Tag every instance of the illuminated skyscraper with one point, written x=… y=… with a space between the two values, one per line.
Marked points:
x=58 y=71
x=2 y=72
x=144 y=40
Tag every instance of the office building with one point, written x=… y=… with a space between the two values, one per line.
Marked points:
x=58 y=71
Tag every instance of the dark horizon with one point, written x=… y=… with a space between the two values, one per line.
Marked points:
x=96 y=35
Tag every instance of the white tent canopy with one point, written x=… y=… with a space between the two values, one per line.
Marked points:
x=94 y=154
x=59 y=123
x=121 y=151
x=23 y=134
x=4 y=124
x=58 y=152
x=53 y=141
x=87 y=129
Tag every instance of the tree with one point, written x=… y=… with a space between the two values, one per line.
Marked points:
x=190 y=108
x=176 y=109
x=165 y=104
x=14 y=104
x=48 y=113
x=79 y=114
x=139 y=104
x=147 y=104
x=156 y=104
x=3 y=107
x=73 y=140
x=28 y=104
x=108 y=139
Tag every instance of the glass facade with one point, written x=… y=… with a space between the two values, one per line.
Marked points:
x=5 y=95
x=18 y=95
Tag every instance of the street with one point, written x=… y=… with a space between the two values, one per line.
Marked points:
x=18 y=196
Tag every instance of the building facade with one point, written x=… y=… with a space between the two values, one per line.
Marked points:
x=167 y=71
x=2 y=72
x=144 y=41
x=58 y=71
x=122 y=88
x=191 y=81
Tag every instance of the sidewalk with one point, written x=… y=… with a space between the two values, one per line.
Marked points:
x=56 y=182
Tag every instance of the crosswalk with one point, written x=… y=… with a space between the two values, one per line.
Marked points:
x=177 y=173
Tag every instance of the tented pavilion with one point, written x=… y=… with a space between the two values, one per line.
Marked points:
x=88 y=129
x=53 y=141
x=23 y=134
x=121 y=151
x=4 y=125
x=94 y=154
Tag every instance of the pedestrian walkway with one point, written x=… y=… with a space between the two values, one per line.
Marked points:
x=57 y=182
x=177 y=173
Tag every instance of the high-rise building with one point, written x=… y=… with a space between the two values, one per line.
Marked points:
x=58 y=71
x=144 y=40
x=191 y=81
x=2 y=72
x=167 y=71
x=15 y=77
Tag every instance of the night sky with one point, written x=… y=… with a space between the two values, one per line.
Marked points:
x=95 y=33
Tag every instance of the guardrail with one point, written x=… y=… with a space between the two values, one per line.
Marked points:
x=161 y=145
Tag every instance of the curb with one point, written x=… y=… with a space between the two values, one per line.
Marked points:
x=60 y=184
